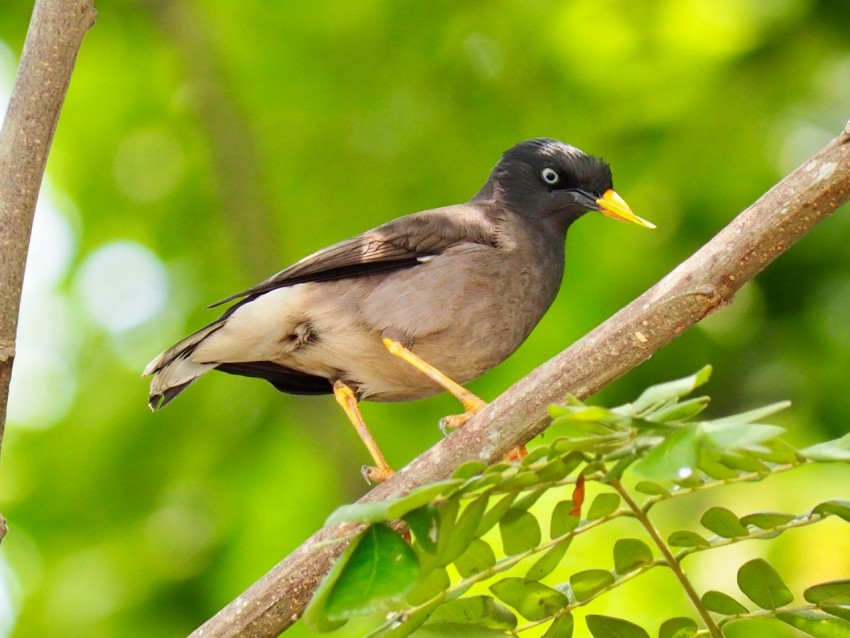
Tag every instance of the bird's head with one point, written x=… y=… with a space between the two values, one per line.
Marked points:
x=548 y=180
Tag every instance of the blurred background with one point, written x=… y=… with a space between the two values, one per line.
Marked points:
x=206 y=144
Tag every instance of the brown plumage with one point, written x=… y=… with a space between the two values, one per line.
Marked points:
x=460 y=286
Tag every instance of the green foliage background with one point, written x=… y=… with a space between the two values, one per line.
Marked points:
x=225 y=140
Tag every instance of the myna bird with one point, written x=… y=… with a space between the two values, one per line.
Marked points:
x=414 y=307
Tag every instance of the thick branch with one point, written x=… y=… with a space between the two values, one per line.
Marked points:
x=700 y=285
x=54 y=37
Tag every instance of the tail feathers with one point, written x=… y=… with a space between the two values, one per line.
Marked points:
x=157 y=401
x=182 y=348
x=175 y=377
x=173 y=370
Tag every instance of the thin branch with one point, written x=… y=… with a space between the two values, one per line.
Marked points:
x=700 y=285
x=719 y=541
x=743 y=477
x=54 y=37
x=669 y=559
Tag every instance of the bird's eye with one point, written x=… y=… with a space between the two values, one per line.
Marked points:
x=550 y=176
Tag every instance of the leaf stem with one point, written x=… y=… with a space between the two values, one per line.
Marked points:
x=672 y=563
x=719 y=541
x=766 y=613
x=581 y=603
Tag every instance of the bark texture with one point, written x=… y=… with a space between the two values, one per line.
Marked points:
x=53 y=40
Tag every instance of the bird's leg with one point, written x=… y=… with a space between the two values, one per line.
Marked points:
x=471 y=403
x=348 y=402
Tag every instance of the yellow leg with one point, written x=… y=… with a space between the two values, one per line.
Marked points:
x=471 y=403
x=348 y=402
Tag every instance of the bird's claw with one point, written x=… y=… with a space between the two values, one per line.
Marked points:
x=374 y=474
x=450 y=423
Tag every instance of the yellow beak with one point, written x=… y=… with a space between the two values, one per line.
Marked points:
x=613 y=206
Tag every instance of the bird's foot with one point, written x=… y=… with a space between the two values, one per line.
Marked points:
x=449 y=424
x=374 y=474
x=471 y=404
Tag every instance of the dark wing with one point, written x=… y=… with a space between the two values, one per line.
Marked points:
x=401 y=243
x=284 y=379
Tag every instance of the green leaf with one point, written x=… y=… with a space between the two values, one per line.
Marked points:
x=403 y=625
x=376 y=567
x=660 y=394
x=592 y=444
x=836 y=450
x=469 y=469
x=587 y=583
x=392 y=510
x=679 y=627
x=529 y=499
x=728 y=434
x=836 y=610
x=380 y=567
x=431 y=585
x=555 y=410
x=652 y=489
x=761 y=584
x=629 y=554
x=753 y=415
x=464 y=530
x=547 y=563
x=475 y=610
x=534 y=455
x=554 y=470
x=589 y=413
x=530 y=598
x=766 y=520
x=477 y=557
x=837 y=508
x=495 y=513
x=519 y=531
x=680 y=411
x=360 y=513
x=448 y=511
x=675 y=458
x=480 y=482
x=709 y=463
x=723 y=522
x=721 y=603
x=775 y=451
x=562 y=521
x=816 y=624
x=520 y=481
x=425 y=524
x=684 y=538
x=561 y=628
x=456 y=630
x=608 y=627
x=836 y=592
x=742 y=461
x=603 y=505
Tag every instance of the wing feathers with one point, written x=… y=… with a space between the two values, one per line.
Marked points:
x=401 y=243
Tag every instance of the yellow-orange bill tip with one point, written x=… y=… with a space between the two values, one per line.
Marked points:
x=613 y=206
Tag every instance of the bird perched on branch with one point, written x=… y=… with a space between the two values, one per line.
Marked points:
x=414 y=307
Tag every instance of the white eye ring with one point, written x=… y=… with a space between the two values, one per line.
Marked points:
x=550 y=176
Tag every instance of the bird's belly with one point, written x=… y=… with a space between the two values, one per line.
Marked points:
x=363 y=361
x=463 y=347
x=462 y=325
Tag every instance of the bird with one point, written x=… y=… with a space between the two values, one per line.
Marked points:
x=416 y=306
